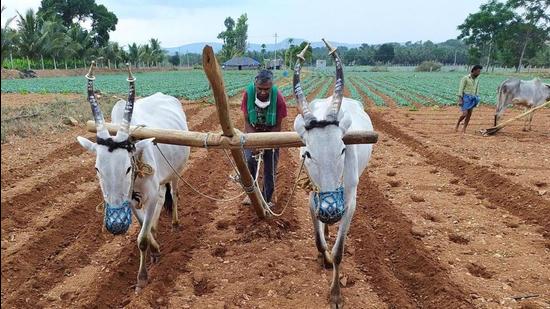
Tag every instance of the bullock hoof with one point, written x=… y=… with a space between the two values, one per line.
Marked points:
x=175 y=226
x=141 y=283
x=324 y=260
x=336 y=301
x=155 y=257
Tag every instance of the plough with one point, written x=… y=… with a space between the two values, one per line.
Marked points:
x=495 y=129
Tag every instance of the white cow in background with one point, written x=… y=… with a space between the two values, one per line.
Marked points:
x=135 y=172
x=529 y=94
x=333 y=167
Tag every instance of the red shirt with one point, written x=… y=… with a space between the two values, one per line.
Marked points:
x=281 y=106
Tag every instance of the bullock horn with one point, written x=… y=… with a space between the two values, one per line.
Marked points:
x=298 y=92
x=96 y=110
x=338 y=93
x=129 y=109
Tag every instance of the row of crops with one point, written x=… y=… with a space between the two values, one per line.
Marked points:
x=408 y=88
x=403 y=88
x=191 y=85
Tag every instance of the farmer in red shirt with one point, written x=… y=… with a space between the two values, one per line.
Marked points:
x=264 y=108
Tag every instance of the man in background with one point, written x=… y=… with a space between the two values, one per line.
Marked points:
x=468 y=97
x=264 y=109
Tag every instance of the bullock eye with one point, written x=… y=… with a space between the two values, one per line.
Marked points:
x=128 y=170
x=343 y=150
x=307 y=155
x=97 y=170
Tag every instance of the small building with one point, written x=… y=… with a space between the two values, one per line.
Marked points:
x=272 y=64
x=241 y=63
x=320 y=63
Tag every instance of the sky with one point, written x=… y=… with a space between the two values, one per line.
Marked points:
x=176 y=23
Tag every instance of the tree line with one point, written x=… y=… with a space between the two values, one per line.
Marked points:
x=515 y=33
x=53 y=37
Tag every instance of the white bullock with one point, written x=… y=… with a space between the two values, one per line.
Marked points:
x=135 y=172
x=529 y=94
x=333 y=167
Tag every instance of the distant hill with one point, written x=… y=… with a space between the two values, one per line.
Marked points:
x=197 y=47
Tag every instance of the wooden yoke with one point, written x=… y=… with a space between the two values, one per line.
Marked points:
x=212 y=70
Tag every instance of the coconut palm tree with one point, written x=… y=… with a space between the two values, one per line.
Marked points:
x=8 y=37
x=133 y=54
x=157 y=52
x=145 y=54
x=29 y=42
x=55 y=39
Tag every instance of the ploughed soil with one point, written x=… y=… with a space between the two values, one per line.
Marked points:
x=443 y=220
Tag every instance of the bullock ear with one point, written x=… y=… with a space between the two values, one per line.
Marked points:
x=300 y=126
x=345 y=122
x=143 y=144
x=86 y=143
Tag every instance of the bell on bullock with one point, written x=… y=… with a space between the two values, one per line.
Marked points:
x=329 y=206
x=117 y=219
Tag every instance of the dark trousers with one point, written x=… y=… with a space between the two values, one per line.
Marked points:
x=270 y=159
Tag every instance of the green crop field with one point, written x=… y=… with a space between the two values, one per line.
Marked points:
x=190 y=85
x=404 y=88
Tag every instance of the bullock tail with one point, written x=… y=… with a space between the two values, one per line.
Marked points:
x=168 y=200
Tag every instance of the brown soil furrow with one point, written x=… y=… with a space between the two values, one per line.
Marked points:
x=19 y=210
x=43 y=175
x=32 y=269
x=517 y=199
x=402 y=271
x=11 y=175
x=19 y=238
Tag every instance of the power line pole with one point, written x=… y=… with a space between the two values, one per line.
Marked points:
x=275 y=64
x=187 y=54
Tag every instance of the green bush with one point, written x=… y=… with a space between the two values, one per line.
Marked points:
x=429 y=66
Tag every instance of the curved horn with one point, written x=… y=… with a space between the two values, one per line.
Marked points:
x=96 y=110
x=129 y=109
x=338 y=94
x=298 y=92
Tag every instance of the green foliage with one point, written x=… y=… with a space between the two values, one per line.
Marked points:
x=234 y=38
x=385 y=53
x=507 y=32
x=429 y=66
x=67 y=11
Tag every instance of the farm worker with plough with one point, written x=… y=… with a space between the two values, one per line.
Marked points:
x=264 y=108
x=468 y=97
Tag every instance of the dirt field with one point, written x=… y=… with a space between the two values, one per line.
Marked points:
x=444 y=220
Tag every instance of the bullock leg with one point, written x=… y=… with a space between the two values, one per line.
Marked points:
x=143 y=242
x=531 y=120
x=153 y=244
x=324 y=255
x=175 y=198
x=336 y=300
